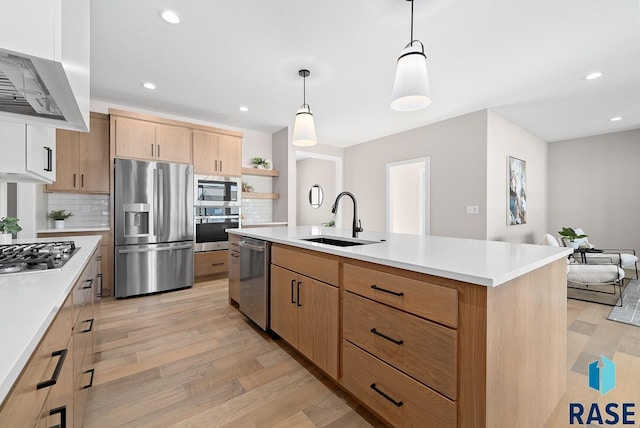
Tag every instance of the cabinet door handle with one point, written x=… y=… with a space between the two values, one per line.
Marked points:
x=234 y=255
x=99 y=290
x=217 y=264
x=86 y=287
x=215 y=168
x=396 y=403
x=221 y=166
x=384 y=336
x=90 y=384
x=49 y=167
x=298 y=303
x=293 y=282
x=74 y=180
x=81 y=180
x=88 y=330
x=63 y=416
x=395 y=293
x=56 y=373
x=151 y=149
x=158 y=154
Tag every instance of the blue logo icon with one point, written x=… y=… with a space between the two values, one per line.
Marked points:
x=603 y=378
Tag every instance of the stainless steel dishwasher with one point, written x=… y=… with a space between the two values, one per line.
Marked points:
x=254 y=280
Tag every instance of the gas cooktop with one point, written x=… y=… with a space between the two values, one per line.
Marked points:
x=37 y=257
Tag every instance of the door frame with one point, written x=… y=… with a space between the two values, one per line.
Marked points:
x=426 y=207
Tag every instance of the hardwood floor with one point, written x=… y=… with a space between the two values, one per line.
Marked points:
x=188 y=359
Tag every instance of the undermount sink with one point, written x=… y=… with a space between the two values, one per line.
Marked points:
x=337 y=241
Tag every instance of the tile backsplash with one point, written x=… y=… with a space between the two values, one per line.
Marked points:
x=257 y=210
x=88 y=210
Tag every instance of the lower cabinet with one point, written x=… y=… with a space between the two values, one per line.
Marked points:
x=51 y=391
x=210 y=263
x=234 y=268
x=304 y=312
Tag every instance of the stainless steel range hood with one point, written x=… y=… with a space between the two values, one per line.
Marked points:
x=36 y=91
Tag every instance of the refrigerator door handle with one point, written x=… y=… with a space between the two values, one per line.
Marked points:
x=147 y=249
x=160 y=212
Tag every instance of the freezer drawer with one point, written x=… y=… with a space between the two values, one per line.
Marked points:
x=143 y=269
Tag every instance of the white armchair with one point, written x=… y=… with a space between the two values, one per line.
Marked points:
x=624 y=258
x=591 y=277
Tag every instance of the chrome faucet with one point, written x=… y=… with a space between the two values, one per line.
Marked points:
x=356 y=227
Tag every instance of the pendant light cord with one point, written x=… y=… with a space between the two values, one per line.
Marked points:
x=304 y=91
x=411 y=23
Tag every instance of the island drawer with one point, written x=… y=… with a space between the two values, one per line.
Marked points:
x=420 y=348
x=84 y=287
x=434 y=302
x=22 y=406
x=396 y=397
x=322 y=268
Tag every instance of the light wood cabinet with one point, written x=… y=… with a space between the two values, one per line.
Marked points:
x=234 y=268
x=140 y=139
x=304 y=312
x=216 y=154
x=83 y=159
x=209 y=263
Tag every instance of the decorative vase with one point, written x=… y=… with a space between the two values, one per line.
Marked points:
x=59 y=224
x=573 y=245
x=5 y=238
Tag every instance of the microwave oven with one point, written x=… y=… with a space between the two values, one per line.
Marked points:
x=214 y=191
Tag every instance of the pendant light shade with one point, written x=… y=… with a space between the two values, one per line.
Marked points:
x=411 y=89
x=304 y=130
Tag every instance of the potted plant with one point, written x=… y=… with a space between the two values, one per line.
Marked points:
x=260 y=163
x=8 y=226
x=246 y=187
x=568 y=234
x=59 y=217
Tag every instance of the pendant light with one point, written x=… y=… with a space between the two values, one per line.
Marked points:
x=304 y=131
x=411 y=90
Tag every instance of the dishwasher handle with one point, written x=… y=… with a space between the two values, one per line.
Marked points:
x=251 y=246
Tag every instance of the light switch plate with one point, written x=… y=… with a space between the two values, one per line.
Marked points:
x=472 y=209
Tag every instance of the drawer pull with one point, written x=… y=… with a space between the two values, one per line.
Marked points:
x=86 y=287
x=63 y=416
x=384 y=336
x=88 y=330
x=395 y=293
x=90 y=384
x=234 y=255
x=396 y=403
x=293 y=282
x=56 y=373
x=298 y=303
x=217 y=264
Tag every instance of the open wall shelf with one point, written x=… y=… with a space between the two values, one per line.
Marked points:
x=262 y=172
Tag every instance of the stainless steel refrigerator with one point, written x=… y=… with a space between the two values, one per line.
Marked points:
x=153 y=219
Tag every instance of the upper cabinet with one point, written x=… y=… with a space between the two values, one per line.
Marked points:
x=83 y=159
x=141 y=139
x=217 y=154
x=32 y=154
x=50 y=40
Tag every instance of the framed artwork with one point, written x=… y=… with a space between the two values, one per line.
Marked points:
x=517 y=203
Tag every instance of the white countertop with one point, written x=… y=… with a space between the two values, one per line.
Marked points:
x=76 y=229
x=28 y=305
x=269 y=224
x=487 y=263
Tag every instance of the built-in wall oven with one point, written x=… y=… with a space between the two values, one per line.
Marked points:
x=216 y=208
x=211 y=223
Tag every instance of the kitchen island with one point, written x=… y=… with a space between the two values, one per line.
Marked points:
x=426 y=330
x=29 y=304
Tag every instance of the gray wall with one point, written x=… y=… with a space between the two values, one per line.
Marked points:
x=458 y=151
x=593 y=185
x=507 y=139
x=310 y=172
x=280 y=152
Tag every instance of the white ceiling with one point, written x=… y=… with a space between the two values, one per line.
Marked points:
x=524 y=59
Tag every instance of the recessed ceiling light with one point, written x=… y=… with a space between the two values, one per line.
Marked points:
x=170 y=16
x=149 y=85
x=243 y=109
x=593 y=75
x=615 y=119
